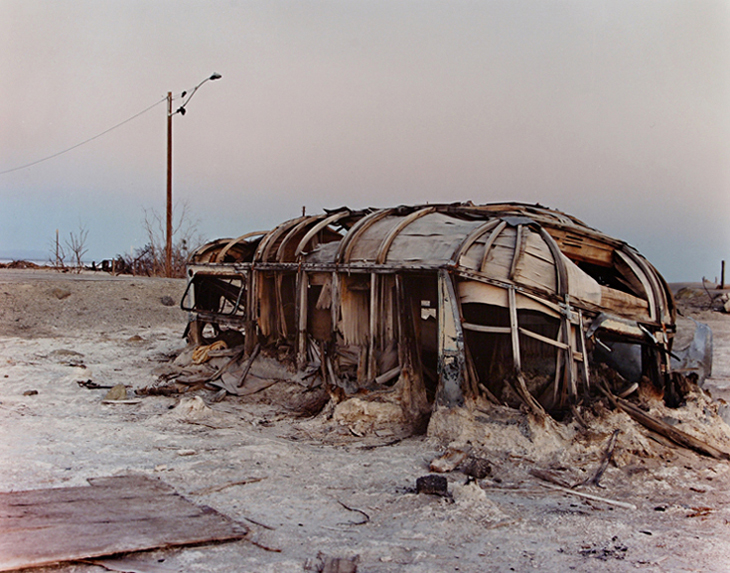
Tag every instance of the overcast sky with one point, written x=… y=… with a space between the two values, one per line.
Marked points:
x=616 y=112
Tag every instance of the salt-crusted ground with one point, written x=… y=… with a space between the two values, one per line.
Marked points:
x=251 y=460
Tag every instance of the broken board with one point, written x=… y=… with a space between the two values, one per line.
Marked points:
x=114 y=515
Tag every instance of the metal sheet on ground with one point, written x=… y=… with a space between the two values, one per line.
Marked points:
x=114 y=515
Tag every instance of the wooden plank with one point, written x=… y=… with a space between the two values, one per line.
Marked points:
x=624 y=304
x=544 y=339
x=487 y=329
x=114 y=515
x=584 y=352
x=514 y=330
x=579 y=246
x=661 y=427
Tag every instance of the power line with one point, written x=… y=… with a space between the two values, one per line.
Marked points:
x=83 y=142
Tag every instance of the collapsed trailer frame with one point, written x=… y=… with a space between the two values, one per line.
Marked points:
x=439 y=302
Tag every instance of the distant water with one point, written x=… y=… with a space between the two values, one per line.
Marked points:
x=42 y=262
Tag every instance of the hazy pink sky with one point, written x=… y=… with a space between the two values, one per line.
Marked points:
x=616 y=112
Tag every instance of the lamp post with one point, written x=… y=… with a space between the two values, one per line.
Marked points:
x=181 y=110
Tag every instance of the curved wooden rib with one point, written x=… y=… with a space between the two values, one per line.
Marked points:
x=293 y=233
x=519 y=246
x=316 y=229
x=262 y=253
x=390 y=237
x=471 y=238
x=561 y=272
x=224 y=250
x=490 y=242
x=561 y=288
x=205 y=249
x=645 y=276
x=348 y=243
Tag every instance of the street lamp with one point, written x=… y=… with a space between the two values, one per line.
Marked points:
x=181 y=111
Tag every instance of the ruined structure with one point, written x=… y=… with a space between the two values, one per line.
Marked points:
x=437 y=304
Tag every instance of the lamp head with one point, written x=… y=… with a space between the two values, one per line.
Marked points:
x=215 y=76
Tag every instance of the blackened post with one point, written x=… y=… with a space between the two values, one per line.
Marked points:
x=722 y=275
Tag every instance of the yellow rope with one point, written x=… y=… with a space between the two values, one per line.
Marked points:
x=202 y=353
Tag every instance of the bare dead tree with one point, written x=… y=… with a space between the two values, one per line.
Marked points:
x=76 y=244
x=150 y=259
x=56 y=254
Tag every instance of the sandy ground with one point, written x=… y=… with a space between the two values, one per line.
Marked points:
x=287 y=478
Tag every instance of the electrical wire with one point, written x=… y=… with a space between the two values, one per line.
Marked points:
x=85 y=141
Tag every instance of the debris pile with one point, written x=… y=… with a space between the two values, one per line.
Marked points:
x=421 y=310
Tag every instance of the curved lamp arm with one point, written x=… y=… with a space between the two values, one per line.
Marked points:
x=181 y=110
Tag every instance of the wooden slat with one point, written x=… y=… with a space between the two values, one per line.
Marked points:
x=514 y=329
x=114 y=515
x=487 y=329
x=517 y=254
x=542 y=338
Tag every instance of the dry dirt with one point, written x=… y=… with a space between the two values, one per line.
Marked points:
x=291 y=480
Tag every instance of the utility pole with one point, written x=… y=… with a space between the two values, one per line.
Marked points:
x=181 y=110
x=168 y=245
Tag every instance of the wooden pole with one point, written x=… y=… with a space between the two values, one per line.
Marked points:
x=168 y=244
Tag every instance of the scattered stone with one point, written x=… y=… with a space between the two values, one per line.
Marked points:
x=433 y=484
x=60 y=293
x=192 y=408
x=30 y=393
x=478 y=468
x=118 y=392
x=135 y=338
x=167 y=300
x=449 y=460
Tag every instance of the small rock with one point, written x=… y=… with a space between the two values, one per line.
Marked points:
x=167 y=300
x=118 y=392
x=449 y=460
x=60 y=293
x=65 y=354
x=433 y=484
x=30 y=393
x=478 y=468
